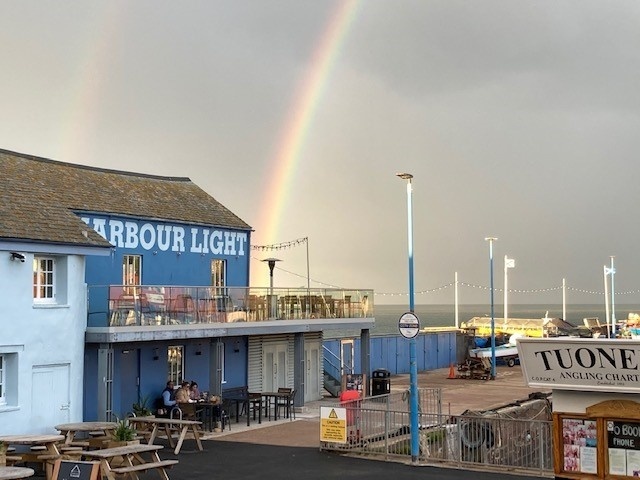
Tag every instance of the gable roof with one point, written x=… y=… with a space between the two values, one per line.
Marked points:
x=40 y=199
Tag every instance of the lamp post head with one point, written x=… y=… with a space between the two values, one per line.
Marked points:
x=491 y=239
x=272 y=263
x=404 y=176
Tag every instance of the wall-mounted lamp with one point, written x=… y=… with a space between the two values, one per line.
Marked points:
x=17 y=256
x=199 y=350
x=125 y=351
x=156 y=354
x=236 y=346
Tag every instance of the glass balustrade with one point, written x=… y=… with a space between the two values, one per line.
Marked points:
x=147 y=305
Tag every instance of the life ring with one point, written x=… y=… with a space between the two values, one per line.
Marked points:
x=473 y=434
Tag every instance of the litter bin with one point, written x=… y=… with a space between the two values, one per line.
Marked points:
x=380 y=382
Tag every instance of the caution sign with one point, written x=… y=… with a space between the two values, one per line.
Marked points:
x=333 y=424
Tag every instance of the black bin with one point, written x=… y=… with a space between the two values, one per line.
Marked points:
x=380 y=382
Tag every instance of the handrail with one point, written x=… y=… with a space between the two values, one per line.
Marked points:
x=341 y=367
x=139 y=305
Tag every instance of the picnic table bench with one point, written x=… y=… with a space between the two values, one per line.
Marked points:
x=169 y=425
x=132 y=461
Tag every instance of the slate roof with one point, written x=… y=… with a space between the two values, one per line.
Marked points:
x=40 y=200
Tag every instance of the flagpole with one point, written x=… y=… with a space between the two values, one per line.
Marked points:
x=564 y=299
x=606 y=299
x=456 y=300
x=613 y=301
x=506 y=290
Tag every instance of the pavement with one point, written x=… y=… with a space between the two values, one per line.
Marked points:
x=291 y=447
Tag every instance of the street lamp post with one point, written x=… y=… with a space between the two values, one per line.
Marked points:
x=413 y=366
x=493 y=318
x=272 y=263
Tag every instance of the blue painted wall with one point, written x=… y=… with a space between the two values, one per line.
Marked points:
x=168 y=258
x=433 y=350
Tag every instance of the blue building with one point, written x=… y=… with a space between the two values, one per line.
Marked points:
x=167 y=291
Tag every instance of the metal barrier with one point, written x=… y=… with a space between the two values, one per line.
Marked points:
x=379 y=426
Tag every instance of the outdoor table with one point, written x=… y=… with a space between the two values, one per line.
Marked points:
x=211 y=412
x=244 y=399
x=70 y=429
x=45 y=457
x=275 y=396
x=167 y=424
x=130 y=460
x=10 y=473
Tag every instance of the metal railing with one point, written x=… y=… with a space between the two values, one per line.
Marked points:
x=378 y=426
x=123 y=305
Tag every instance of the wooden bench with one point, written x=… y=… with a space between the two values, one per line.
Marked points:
x=143 y=467
x=133 y=461
x=13 y=459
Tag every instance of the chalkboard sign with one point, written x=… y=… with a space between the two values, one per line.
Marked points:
x=75 y=470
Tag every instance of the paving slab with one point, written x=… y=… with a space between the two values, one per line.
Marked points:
x=458 y=396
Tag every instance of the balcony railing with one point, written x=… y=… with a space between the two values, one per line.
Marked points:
x=121 y=305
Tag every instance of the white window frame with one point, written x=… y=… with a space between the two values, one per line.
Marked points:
x=176 y=366
x=3 y=381
x=40 y=283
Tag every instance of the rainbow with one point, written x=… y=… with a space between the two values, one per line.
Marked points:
x=300 y=118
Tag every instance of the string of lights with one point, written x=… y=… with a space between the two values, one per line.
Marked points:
x=282 y=245
x=470 y=285
x=303 y=240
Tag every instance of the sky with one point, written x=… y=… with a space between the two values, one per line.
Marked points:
x=518 y=120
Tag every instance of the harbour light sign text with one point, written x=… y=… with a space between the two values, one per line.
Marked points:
x=572 y=364
x=167 y=237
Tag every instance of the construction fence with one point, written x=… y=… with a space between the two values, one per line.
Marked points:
x=514 y=437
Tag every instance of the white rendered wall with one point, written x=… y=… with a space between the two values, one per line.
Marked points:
x=577 y=402
x=42 y=336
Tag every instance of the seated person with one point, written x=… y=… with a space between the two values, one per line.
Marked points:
x=194 y=391
x=166 y=401
x=182 y=395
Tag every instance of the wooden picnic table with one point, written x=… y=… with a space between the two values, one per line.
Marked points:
x=168 y=425
x=69 y=430
x=130 y=460
x=46 y=457
x=11 y=473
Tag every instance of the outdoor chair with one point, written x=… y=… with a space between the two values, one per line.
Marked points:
x=286 y=402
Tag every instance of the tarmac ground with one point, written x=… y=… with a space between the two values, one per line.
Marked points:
x=291 y=447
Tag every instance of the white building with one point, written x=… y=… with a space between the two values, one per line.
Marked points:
x=44 y=312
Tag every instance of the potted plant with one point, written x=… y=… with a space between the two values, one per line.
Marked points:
x=124 y=434
x=141 y=408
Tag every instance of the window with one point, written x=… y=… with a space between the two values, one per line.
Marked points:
x=176 y=364
x=9 y=376
x=131 y=270
x=44 y=279
x=218 y=274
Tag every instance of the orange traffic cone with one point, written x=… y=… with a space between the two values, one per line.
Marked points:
x=452 y=372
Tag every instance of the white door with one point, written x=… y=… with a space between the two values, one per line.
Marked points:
x=346 y=356
x=274 y=361
x=312 y=374
x=50 y=397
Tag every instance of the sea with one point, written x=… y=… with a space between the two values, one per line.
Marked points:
x=387 y=316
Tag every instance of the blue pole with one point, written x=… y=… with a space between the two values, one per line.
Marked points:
x=493 y=319
x=413 y=365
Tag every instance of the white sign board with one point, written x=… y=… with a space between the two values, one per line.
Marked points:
x=607 y=365
x=409 y=325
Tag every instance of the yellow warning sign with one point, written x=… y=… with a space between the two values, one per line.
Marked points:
x=333 y=424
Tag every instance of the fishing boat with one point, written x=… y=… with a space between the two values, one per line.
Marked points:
x=507 y=352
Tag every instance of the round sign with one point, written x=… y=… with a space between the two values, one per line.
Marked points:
x=409 y=325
